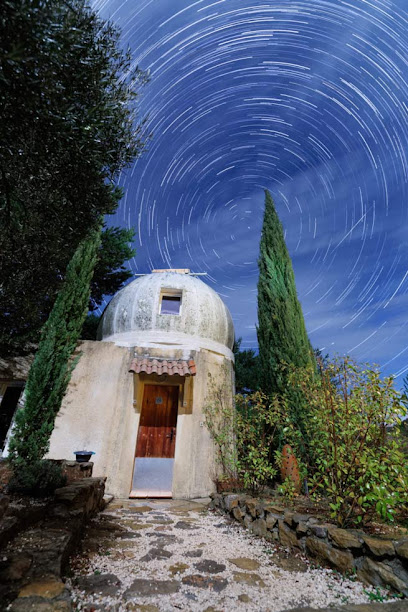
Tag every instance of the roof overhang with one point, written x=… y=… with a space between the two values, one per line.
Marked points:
x=177 y=367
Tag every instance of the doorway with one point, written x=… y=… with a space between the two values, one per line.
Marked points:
x=156 y=442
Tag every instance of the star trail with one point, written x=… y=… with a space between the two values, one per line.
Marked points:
x=308 y=99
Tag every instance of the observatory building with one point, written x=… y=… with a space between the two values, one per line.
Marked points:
x=136 y=396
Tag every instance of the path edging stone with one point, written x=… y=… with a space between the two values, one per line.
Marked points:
x=375 y=561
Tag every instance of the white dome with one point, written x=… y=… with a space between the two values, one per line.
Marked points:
x=134 y=313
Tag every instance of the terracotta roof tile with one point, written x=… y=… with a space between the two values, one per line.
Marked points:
x=177 y=367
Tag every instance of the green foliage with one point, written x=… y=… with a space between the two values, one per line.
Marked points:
x=244 y=434
x=246 y=368
x=51 y=370
x=90 y=327
x=281 y=328
x=287 y=489
x=257 y=425
x=39 y=479
x=352 y=460
x=110 y=273
x=68 y=98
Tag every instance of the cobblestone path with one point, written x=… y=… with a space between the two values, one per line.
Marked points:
x=175 y=555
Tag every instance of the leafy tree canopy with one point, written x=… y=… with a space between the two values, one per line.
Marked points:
x=110 y=273
x=68 y=97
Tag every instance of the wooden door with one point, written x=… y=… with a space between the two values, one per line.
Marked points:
x=158 y=420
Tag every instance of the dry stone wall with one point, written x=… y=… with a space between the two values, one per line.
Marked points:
x=375 y=561
x=32 y=563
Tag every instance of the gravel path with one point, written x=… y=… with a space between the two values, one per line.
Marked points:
x=166 y=555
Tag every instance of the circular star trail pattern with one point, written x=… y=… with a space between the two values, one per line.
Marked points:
x=308 y=99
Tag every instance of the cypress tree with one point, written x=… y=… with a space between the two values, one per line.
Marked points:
x=281 y=328
x=51 y=370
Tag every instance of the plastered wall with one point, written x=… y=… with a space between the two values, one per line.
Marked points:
x=101 y=411
x=97 y=414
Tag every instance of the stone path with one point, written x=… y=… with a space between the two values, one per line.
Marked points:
x=166 y=555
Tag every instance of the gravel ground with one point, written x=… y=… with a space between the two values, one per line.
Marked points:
x=169 y=554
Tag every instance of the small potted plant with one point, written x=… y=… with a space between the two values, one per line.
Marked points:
x=83 y=456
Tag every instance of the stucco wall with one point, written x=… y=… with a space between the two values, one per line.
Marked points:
x=101 y=410
x=97 y=414
x=195 y=466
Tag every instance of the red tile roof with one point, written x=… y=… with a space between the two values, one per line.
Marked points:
x=162 y=366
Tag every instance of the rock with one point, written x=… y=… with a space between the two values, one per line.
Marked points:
x=299 y=518
x=237 y=513
x=215 y=583
x=107 y=499
x=157 y=554
x=136 y=607
x=319 y=530
x=39 y=604
x=81 y=498
x=247 y=521
x=185 y=525
x=379 y=574
x=302 y=529
x=271 y=520
x=135 y=525
x=274 y=509
x=47 y=588
x=8 y=528
x=244 y=598
x=402 y=549
x=251 y=506
x=4 y=504
x=178 y=568
x=245 y=563
x=287 y=537
x=250 y=579
x=258 y=527
x=104 y=584
x=143 y=587
x=344 y=538
x=288 y=517
x=231 y=501
x=378 y=547
x=49 y=549
x=210 y=567
x=139 y=509
x=339 y=559
x=193 y=553
x=16 y=568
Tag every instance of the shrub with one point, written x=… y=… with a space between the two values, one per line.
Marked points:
x=353 y=460
x=246 y=434
x=38 y=479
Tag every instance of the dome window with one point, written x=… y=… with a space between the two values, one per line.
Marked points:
x=170 y=302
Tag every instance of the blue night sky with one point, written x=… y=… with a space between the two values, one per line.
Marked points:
x=308 y=99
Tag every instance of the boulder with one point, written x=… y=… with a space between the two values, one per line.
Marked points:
x=379 y=574
x=287 y=536
x=378 y=547
x=339 y=559
x=343 y=538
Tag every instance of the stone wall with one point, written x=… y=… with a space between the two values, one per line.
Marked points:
x=32 y=564
x=374 y=560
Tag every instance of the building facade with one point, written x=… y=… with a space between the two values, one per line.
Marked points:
x=137 y=395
